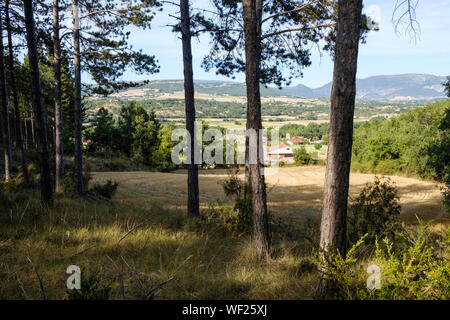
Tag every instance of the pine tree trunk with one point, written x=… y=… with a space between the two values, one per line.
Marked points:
x=193 y=192
x=334 y=215
x=256 y=174
x=79 y=188
x=19 y=136
x=33 y=131
x=59 y=150
x=39 y=109
x=6 y=130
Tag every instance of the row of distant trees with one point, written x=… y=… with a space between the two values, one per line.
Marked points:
x=136 y=134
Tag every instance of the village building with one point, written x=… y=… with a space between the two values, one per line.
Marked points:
x=280 y=152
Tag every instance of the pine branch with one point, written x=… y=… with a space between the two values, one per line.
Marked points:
x=290 y=11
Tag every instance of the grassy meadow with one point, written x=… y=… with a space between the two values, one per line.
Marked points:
x=142 y=238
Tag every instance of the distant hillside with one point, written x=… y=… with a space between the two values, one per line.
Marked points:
x=405 y=87
x=395 y=88
x=213 y=88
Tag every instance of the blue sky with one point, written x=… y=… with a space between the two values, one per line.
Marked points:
x=384 y=53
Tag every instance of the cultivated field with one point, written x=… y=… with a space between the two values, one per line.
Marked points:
x=293 y=192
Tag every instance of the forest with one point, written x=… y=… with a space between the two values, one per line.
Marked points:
x=93 y=205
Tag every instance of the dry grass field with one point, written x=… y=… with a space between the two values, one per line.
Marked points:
x=135 y=242
x=293 y=192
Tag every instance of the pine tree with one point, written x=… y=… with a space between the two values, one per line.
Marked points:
x=13 y=83
x=263 y=38
x=6 y=131
x=39 y=109
x=193 y=188
x=340 y=138
x=100 y=47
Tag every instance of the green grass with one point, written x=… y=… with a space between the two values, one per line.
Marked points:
x=206 y=264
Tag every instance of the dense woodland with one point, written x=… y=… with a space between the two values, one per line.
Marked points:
x=52 y=215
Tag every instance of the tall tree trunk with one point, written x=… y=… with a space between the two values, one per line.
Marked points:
x=193 y=192
x=33 y=131
x=256 y=173
x=59 y=150
x=334 y=215
x=79 y=188
x=19 y=136
x=6 y=130
x=39 y=109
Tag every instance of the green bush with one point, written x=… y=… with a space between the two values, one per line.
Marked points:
x=373 y=210
x=92 y=288
x=418 y=269
x=11 y=186
x=416 y=143
x=416 y=272
x=238 y=219
x=302 y=157
x=106 y=190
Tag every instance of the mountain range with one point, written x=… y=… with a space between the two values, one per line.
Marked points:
x=389 y=88
x=402 y=87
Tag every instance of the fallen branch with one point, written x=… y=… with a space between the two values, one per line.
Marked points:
x=39 y=278
x=21 y=287
x=79 y=252
x=132 y=229
x=24 y=211
x=122 y=284
x=159 y=287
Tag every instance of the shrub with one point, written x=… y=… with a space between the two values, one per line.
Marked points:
x=107 y=190
x=238 y=219
x=373 y=210
x=417 y=270
x=302 y=157
x=338 y=270
x=11 y=186
x=92 y=288
x=233 y=186
x=117 y=164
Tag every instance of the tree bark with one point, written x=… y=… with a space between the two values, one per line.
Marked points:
x=193 y=189
x=6 y=130
x=79 y=188
x=334 y=214
x=39 y=109
x=19 y=137
x=59 y=150
x=256 y=173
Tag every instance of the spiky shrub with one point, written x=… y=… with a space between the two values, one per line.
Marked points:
x=237 y=219
x=417 y=269
x=106 y=190
x=92 y=287
x=241 y=214
x=373 y=210
x=338 y=270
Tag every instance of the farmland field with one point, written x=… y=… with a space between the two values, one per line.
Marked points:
x=293 y=192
